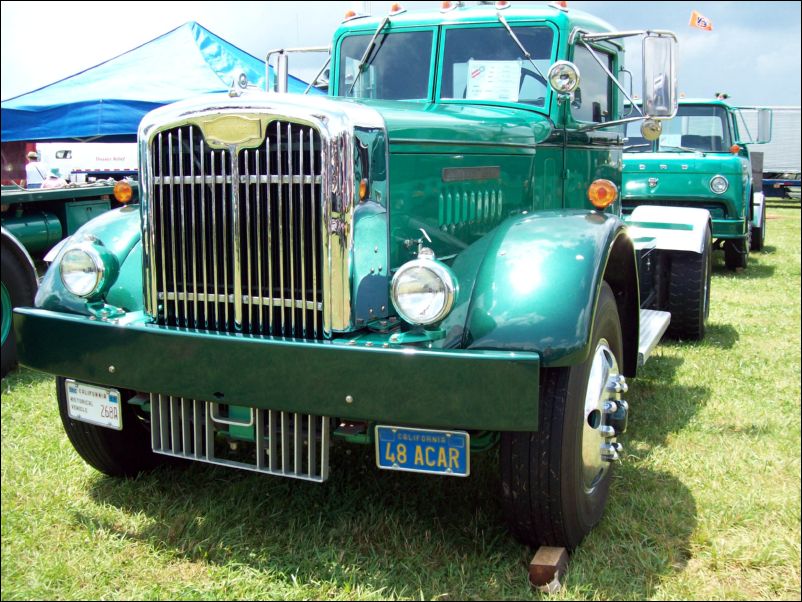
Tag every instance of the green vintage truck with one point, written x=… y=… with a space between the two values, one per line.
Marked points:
x=702 y=159
x=430 y=261
x=33 y=222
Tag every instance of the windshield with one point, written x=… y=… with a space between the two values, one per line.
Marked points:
x=397 y=67
x=695 y=128
x=486 y=64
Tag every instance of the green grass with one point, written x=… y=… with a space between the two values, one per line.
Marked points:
x=705 y=505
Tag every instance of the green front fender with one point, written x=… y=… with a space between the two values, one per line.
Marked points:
x=534 y=283
x=119 y=231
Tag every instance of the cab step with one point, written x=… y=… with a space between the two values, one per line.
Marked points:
x=653 y=325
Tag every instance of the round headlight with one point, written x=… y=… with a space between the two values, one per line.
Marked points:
x=563 y=77
x=423 y=291
x=719 y=184
x=82 y=270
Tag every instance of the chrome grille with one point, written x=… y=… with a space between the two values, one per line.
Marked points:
x=284 y=443
x=234 y=237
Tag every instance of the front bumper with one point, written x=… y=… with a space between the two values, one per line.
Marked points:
x=487 y=390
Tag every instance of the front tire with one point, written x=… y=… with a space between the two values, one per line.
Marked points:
x=555 y=481
x=17 y=289
x=736 y=254
x=122 y=453
x=759 y=233
x=689 y=293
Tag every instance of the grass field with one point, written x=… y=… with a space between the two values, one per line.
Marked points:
x=705 y=505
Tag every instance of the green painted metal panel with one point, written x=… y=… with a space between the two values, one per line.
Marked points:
x=397 y=385
x=77 y=213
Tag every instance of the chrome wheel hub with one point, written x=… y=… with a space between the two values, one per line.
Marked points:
x=605 y=416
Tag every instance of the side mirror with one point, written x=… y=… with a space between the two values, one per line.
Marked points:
x=764 y=119
x=659 y=75
x=754 y=125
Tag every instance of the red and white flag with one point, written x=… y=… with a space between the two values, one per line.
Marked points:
x=700 y=21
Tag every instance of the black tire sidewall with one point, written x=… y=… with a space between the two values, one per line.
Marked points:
x=18 y=282
x=583 y=510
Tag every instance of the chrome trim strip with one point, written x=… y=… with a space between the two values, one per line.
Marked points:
x=461 y=143
x=260 y=301
x=259 y=241
x=280 y=222
x=223 y=210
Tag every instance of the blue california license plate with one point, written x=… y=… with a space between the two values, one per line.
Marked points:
x=423 y=450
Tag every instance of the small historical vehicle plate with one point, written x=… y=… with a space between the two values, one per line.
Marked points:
x=423 y=450
x=95 y=405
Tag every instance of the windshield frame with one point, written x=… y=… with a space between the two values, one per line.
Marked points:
x=728 y=132
x=389 y=29
x=514 y=24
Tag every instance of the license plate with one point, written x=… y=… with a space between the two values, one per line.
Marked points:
x=94 y=405
x=423 y=450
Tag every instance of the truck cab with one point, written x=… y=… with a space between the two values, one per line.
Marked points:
x=431 y=261
x=703 y=158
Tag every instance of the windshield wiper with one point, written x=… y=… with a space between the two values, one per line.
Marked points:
x=521 y=46
x=363 y=61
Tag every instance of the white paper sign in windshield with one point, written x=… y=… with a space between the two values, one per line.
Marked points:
x=493 y=80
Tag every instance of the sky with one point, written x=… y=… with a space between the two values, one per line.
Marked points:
x=753 y=52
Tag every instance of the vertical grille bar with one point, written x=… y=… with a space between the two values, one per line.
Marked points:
x=297 y=444
x=173 y=229
x=259 y=240
x=311 y=439
x=271 y=422
x=204 y=256
x=302 y=188
x=198 y=408
x=269 y=240
x=214 y=255
x=182 y=213
x=223 y=205
x=280 y=223
x=285 y=442
x=194 y=228
x=291 y=228
x=315 y=229
x=248 y=238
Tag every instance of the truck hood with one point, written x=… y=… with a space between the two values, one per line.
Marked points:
x=413 y=122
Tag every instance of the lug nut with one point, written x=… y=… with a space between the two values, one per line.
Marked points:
x=609 y=453
x=607 y=431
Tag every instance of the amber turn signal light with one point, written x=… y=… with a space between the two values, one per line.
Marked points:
x=363 y=189
x=735 y=149
x=123 y=191
x=602 y=193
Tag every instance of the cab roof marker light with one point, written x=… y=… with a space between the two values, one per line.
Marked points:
x=396 y=8
x=560 y=5
x=352 y=14
x=448 y=6
x=502 y=4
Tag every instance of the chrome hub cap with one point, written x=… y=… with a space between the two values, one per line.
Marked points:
x=605 y=416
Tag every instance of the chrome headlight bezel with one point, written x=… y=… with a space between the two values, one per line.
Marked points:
x=719 y=179
x=95 y=284
x=442 y=273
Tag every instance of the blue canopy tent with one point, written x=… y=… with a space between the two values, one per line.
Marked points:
x=105 y=103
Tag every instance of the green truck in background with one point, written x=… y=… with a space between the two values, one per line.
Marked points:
x=33 y=222
x=703 y=159
x=430 y=261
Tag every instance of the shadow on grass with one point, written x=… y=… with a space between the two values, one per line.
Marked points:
x=723 y=336
x=754 y=269
x=401 y=534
